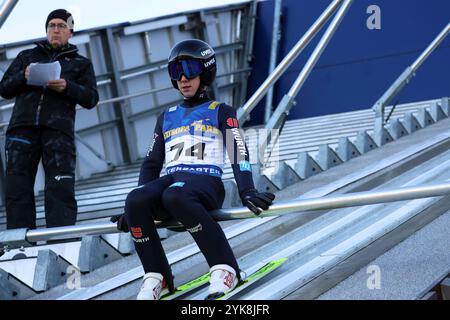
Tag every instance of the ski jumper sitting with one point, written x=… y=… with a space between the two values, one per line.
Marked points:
x=192 y=139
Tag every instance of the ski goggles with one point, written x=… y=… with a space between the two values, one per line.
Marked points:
x=190 y=69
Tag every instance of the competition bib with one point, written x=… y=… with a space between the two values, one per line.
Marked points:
x=193 y=142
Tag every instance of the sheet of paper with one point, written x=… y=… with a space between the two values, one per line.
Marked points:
x=41 y=73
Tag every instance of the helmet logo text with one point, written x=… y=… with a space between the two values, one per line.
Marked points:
x=206 y=52
x=210 y=62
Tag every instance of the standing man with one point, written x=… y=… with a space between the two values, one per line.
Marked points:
x=42 y=126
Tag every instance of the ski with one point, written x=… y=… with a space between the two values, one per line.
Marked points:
x=187 y=287
x=254 y=277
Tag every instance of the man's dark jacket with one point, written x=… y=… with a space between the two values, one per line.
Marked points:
x=39 y=106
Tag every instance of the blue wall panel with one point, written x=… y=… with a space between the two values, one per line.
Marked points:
x=359 y=64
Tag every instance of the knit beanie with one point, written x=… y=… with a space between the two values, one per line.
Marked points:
x=63 y=15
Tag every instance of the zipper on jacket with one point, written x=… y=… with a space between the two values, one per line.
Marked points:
x=52 y=59
x=38 y=111
x=63 y=54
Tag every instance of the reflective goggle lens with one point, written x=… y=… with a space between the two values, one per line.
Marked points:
x=190 y=69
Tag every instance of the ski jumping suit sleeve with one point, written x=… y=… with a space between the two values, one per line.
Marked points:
x=236 y=148
x=154 y=160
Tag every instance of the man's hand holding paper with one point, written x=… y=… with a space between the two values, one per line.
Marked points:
x=42 y=74
x=57 y=85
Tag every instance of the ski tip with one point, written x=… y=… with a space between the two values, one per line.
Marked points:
x=279 y=261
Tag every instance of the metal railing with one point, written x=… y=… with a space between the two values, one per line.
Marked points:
x=404 y=79
x=276 y=35
x=244 y=111
x=6 y=8
x=276 y=122
x=21 y=237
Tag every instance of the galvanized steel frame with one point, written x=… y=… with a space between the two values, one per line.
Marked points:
x=404 y=79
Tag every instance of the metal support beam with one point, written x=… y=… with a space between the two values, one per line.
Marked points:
x=327 y=157
x=203 y=34
x=396 y=129
x=347 y=150
x=364 y=143
x=285 y=176
x=126 y=244
x=13 y=289
x=262 y=182
x=280 y=115
x=51 y=271
x=129 y=148
x=411 y=123
x=6 y=8
x=95 y=253
x=243 y=112
x=404 y=79
x=424 y=117
x=248 y=35
x=381 y=137
x=276 y=35
x=122 y=242
x=436 y=112
x=445 y=106
x=306 y=166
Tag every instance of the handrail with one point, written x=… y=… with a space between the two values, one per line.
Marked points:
x=280 y=114
x=5 y=10
x=245 y=110
x=404 y=79
x=21 y=237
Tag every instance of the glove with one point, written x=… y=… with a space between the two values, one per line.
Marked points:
x=256 y=201
x=122 y=224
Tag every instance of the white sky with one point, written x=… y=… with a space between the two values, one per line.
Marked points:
x=27 y=21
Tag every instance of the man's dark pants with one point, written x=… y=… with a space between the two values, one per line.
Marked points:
x=25 y=147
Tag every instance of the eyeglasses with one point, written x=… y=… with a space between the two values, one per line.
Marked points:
x=60 y=26
x=190 y=69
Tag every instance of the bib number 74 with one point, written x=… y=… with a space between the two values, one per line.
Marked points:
x=197 y=150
